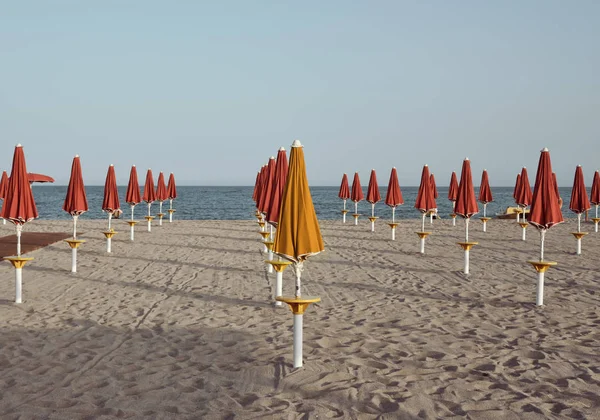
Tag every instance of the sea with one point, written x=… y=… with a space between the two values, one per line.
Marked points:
x=235 y=203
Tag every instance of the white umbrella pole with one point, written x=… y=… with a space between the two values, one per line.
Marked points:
x=423 y=237
x=518 y=213
x=356 y=212
x=298 y=323
x=373 y=215
x=171 y=213
x=19 y=229
x=4 y=220
x=278 y=287
x=596 y=224
x=109 y=219
x=344 y=213
x=539 y=298
x=74 y=260
x=484 y=221
x=431 y=218
x=454 y=218
x=270 y=258
x=466 y=270
x=160 y=212
x=393 y=214
x=579 y=222
x=393 y=229
x=18 y=285
x=484 y=207
x=75 y=226
x=149 y=221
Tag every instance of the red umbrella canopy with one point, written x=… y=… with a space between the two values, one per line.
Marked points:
x=261 y=180
x=453 y=189
x=3 y=184
x=19 y=205
x=265 y=197
x=110 y=203
x=39 y=178
x=594 y=194
x=517 y=186
x=281 y=170
x=545 y=211
x=425 y=201
x=344 y=193
x=373 y=195
x=466 y=204
x=433 y=186
x=256 y=186
x=524 y=194
x=357 y=192
x=149 y=193
x=132 y=195
x=579 y=199
x=485 y=192
x=161 y=189
x=76 y=200
x=171 y=188
x=393 y=197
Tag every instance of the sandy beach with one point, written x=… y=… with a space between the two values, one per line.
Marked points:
x=180 y=324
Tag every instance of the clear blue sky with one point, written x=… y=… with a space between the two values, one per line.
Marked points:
x=210 y=89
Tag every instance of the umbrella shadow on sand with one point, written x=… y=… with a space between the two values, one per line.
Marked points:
x=159 y=289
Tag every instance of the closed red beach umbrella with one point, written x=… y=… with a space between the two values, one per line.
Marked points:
x=19 y=206
x=76 y=200
x=516 y=189
x=560 y=202
x=256 y=186
x=485 y=192
x=110 y=202
x=149 y=195
x=357 y=192
x=453 y=189
x=579 y=199
x=373 y=195
x=394 y=197
x=3 y=185
x=433 y=186
x=261 y=181
x=466 y=203
x=524 y=194
x=595 y=193
x=132 y=195
x=545 y=211
x=161 y=188
x=265 y=197
x=171 y=195
x=425 y=201
x=280 y=178
x=344 y=192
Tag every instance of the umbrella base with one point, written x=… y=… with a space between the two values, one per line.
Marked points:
x=74 y=243
x=109 y=233
x=596 y=220
x=18 y=262
x=423 y=235
x=485 y=219
x=261 y=224
x=579 y=235
x=132 y=222
x=265 y=235
x=356 y=216
x=542 y=266
x=467 y=245
x=269 y=245
x=298 y=305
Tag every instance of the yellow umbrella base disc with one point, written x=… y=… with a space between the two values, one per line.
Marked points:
x=279 y=266
x=74 y=243
x=132 y=222
x=344 y=211
x=149 y=218
x=579 y=235
x=523 y=225
x=393 y=225
x=423 y=235
x=18 y=262
x=265 y=235
x=298 y=305
x=269 y=245
x=485 y=219
x=109 y=234
x=373 y=218
x=161 y=215
x=467 y=245
x=542 y=266
x=453 y=215
x=171 y=211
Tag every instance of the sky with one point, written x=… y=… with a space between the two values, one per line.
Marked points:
x=210 y=89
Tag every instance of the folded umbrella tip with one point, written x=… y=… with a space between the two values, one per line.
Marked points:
x=296 y=143
x=272 y=157
x=545 y=149
x=282 y=149
x=76 y=155
x=19 y=145
x=112 y=164
x=466 y=158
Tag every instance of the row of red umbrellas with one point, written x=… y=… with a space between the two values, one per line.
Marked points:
x=269 y=187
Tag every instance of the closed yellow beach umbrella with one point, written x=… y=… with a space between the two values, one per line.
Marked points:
x=298 y=237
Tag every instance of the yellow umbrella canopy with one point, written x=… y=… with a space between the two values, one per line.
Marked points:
x=298 y=233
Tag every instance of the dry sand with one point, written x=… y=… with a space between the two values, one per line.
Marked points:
x=181 y=324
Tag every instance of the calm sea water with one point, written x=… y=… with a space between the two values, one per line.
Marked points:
x=235 y=203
